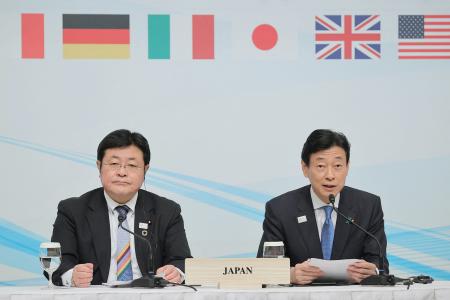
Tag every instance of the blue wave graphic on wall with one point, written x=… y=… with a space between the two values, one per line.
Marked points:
x=189 y=192
x=238 y=191
x=423 y=241
x=25 y=282
x=19 y=247
x=209 y=198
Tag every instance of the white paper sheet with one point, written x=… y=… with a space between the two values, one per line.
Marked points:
x=115 y=283
x=333 y=269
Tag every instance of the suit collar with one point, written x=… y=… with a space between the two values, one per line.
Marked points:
x=98 y=220
x=144 y=224
x=343 y=229
x=318 y=203
x=113 y=204
x=308 y=230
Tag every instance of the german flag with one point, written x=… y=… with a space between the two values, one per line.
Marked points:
x=96 y=36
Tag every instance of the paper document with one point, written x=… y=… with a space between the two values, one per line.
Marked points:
x=333 y=269
x=115 y=283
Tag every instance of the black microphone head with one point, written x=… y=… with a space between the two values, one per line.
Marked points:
x=121 y=218
x=331 y=198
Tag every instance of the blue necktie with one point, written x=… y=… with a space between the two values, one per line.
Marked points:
x=327 y=233
x=123 y=256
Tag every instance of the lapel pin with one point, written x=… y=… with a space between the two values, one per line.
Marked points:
x=143 y=226
x=301 y=219
x=144 y=232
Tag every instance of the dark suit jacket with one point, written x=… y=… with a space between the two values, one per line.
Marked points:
x=82 y=228
x=301 y=240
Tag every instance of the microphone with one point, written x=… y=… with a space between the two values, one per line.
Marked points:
x=381 y=278
x=148 y=280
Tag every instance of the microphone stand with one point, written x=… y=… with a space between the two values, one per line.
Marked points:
x=382 y=278
x=148 y=280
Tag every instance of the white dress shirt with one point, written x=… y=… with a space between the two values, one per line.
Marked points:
x=321 y=216
x=113 y=227
x=320 y=212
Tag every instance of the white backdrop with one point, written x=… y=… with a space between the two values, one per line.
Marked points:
x=225 y=134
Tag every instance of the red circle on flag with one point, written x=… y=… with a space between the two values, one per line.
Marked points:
x=264 y=37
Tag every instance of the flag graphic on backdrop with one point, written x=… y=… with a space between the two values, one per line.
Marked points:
x=348 y=37
x=424 y=37
x=159 y=36
x=264 y=37
x=191 y=36
x=96 y=36
x=203 y=36
x=32 y=35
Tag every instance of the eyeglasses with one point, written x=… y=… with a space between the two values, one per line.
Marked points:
x=118 y=167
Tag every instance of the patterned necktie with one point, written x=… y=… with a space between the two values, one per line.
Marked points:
x=327 y=233
x=123 y=258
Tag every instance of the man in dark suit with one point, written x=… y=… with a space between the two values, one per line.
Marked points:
x=304 y=220
x=94 y=248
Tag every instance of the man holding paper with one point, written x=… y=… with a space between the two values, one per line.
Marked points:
x=309 y=228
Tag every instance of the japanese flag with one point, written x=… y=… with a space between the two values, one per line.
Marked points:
x=260 y=37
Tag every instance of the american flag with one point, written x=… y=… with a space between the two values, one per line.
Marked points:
x=348 y=37
x=424 y=37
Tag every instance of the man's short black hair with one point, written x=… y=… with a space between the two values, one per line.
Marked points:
x=124 y=138
x=323 y=139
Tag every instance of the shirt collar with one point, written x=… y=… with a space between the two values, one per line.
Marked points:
x=317 y=203
x=113 y=204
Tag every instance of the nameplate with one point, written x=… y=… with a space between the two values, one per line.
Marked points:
x=237 y=272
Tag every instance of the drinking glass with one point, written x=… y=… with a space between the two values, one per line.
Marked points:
x=50 y=257
x=273 y=250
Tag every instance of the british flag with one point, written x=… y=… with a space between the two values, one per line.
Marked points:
x=348 y=37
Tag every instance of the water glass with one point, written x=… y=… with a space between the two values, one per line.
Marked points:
x=50 y=258
x=273 y=249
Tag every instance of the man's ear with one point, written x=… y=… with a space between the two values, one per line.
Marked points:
x=305 y=169
x=146 y=169
x=99 y=165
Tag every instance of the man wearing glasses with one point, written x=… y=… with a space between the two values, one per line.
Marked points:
x=95 y=249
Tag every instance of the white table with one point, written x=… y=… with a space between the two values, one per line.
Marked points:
x=437 y=290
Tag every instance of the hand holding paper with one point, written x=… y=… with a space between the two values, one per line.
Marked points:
x=334 y=269
x=360 y=270
x=305 y=273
